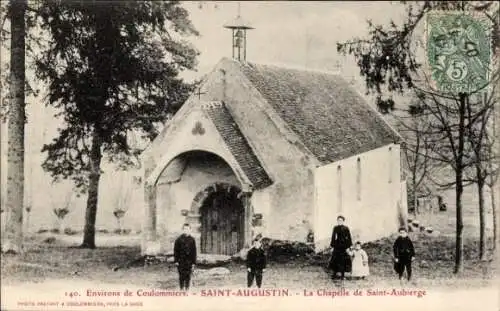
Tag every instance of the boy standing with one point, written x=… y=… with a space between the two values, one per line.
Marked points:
x=404 y=254
x=256 y=263
x=185 y=256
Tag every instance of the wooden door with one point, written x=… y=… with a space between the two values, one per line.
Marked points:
x=222 y=224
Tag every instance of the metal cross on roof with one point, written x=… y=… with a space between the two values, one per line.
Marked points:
x=199 y=92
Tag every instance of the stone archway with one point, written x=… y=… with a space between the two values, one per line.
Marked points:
x=220 y=214
x=202 y=195
x=182 y=188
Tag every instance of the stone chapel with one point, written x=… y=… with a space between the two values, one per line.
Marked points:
x=271 y=151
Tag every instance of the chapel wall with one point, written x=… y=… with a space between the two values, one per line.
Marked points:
x=289 y=201
x=193 y=132
x=371 y=213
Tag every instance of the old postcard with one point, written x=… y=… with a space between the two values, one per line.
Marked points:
x=222 y=155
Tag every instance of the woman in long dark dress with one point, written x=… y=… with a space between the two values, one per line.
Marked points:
x=341 y=242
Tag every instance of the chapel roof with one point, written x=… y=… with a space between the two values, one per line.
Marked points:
x=237 y=144
x=332 y=120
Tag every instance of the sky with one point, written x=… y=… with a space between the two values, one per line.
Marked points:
x=299 y=34
x=291 y=34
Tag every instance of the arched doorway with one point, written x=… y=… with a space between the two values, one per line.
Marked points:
x=222 y=220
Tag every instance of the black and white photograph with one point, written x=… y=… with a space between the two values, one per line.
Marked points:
x=253 y=155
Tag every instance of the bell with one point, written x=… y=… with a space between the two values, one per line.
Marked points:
x=237 y=42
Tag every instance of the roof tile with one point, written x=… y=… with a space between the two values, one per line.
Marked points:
x=238 y=145
x=331 y=119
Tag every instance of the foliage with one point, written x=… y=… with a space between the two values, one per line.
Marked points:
x=481 y=138
x=111 y=69
x=61 y=212
x=416 y=150
x=386 y=59
x=119 y=213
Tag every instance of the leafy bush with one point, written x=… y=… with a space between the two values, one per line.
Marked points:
x=284 y=251
x=70 y=231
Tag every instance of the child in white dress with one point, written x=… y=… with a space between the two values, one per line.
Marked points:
x=360 y=267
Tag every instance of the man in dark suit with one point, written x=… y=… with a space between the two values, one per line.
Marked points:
x=341 y=242
x=256 y=263
x=185 y=256
x=404 y=254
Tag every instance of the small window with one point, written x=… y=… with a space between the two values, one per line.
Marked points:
x=358 y=179
x=339 y=188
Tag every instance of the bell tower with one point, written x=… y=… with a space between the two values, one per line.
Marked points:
x=239 y=29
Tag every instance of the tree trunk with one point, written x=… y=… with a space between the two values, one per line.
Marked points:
x=459 y=243
x=27 y=222
x=13 y=235
x=61 y=226
x=493 y=177
x=414 y=177
x=494 y=213
x=119 y=225
x=496 y=250
x=93 y=191
x=415 y=201
x=459 y=226
x=482 y=216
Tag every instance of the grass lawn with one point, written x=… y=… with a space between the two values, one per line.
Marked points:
x=60 y=260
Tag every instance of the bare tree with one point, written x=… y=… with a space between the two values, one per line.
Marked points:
x=416 y=150
x=119 y=213
x=485 y=140
x=493 y=178
x=27 y=219
x=122 y=201
x=62 y=212
x=479 y=116
x=388 y=62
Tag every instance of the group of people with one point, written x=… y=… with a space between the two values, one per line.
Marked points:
x=346 y=256
x=185 y=258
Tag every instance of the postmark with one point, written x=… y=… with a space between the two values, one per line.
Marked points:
x=458 y=48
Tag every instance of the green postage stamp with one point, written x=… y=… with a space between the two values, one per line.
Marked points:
x=458 y=46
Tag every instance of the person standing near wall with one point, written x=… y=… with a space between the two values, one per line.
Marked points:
x=256 y=263
x=360 y=267
x=404 y=254
x=185 y=256
x=340 y=263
